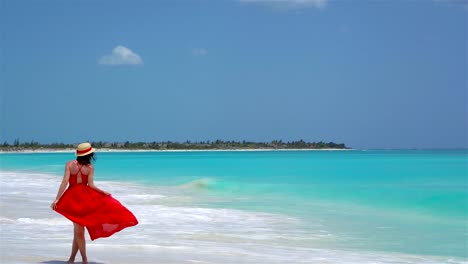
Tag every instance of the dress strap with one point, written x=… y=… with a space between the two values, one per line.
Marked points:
x=79 y=167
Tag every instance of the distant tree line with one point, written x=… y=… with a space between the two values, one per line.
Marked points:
x=173 y=145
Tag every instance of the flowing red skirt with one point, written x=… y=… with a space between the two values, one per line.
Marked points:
x=102 y=215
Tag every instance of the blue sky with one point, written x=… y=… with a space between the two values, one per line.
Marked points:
x=371 y=74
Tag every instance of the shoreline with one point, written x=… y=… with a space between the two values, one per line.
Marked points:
x=30 y=151
x=183 y=221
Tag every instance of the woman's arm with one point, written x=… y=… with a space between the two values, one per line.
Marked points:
x=91 y=182
x=63 y=185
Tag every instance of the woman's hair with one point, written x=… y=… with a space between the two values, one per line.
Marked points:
x=86 y=159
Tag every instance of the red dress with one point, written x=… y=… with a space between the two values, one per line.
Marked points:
x=101 y=214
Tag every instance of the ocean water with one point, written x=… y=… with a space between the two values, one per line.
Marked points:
x=250 y=207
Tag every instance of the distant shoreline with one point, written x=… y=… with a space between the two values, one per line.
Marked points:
x=98 y=150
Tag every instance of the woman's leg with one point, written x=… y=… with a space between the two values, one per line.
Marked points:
x=74 y=249
x=80 y=241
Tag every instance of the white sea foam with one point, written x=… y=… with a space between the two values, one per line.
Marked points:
x=171 y=230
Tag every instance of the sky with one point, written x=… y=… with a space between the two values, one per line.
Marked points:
x=370 y=74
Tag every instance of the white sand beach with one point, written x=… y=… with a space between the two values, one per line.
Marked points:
x=160 y=150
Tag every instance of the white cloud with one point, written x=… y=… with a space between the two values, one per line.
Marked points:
x=290 y=3
x=121 y=56
x=199 y=52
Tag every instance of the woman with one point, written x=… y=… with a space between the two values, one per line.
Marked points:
x=88 y=206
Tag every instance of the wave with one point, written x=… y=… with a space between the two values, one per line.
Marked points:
x=43 y=221
x=5 y=220
x=199 y=184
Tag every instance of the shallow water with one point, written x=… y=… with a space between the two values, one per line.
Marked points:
x=251 y=207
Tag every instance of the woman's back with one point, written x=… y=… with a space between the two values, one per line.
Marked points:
x=78 y=173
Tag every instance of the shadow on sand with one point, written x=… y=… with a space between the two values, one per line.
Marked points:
x=64 y=262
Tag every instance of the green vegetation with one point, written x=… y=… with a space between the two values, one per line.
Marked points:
x=171 y=145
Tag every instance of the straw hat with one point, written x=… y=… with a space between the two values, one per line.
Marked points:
x=84 y=149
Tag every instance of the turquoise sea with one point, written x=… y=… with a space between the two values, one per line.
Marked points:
x=356 y=206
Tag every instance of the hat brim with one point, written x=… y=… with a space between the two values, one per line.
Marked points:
x=86 y=153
